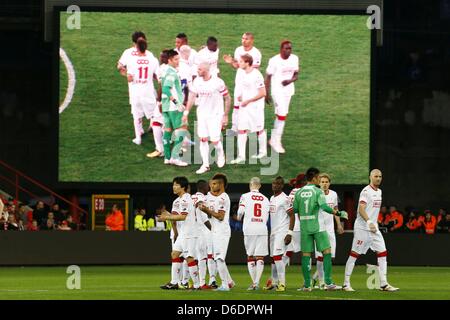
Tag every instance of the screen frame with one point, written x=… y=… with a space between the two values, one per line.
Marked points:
x=127 y=187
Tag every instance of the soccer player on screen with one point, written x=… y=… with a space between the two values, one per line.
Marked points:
x=254 y=207
x=366 y=234
x=209 y=93
x=327 y=224
x=251 y=92
x=281 y=73
x=210 y=55
x=142 y=68
x=247 y=48
x=172 y=108
x=307 y=202
x=218 y=209
x=281 y=230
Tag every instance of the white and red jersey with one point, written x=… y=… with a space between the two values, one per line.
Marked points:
x=279 y=218
x=247 y=87
x=185 y=206
x=142 y=68
x=297 y=219
x=372 y=198
x=210 y=57
x=282 y=69
x=201 y=216
x=220 y=203
x=210 y=95
x=254 y=206
x=326 y=220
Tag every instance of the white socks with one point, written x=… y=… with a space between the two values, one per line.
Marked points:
x=212 y=269
x=176 y=268
x=382 y=269
x=204 y=152
x=281 y=271
x=251 y=264
x=274 y=273
x=193 y=271
x=202 y=271
x=320 y=269
x=349 y=269
x=262 y=142
x=223 y=272
x=158 y=137
x=259 y=270
x=242 y=145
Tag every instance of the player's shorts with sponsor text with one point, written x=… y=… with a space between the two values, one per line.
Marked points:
x=332 y=237
x=190 y=247
x=251 y=118
x=256 y=245
x=277 y=246
x=281 y=103
x=220 y=245
x=143 y=106
x=320 y=239
x=172 y=119
x=364 y=239
x=209 y=126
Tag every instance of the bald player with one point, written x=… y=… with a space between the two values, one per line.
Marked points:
x=366 y=234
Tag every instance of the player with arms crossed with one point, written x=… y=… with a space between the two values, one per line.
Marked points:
x=327 y=224
x=209 y=93
x=247 y=48
x=254 y=207
x=183 y=209
x=282 y=224
x=218 y=209
x=251 y=92
x=307 y=202
x=366 y=234
x=172 y=107
x=281 y=73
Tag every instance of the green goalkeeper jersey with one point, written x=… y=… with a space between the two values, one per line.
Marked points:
x=171 y=86
x=307 y=202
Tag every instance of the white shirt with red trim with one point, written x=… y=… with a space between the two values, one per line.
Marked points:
x=142 y=68
x=255 y=208
x=279 y=218
x=210 y=57
x=326 y=220
x=282 y=69
x=248 y=85
x=372 y=198
x=210 y=95
x=297 y=219
x=185 y=206
x=201 y=216
x=220 y=203
x=253 y=52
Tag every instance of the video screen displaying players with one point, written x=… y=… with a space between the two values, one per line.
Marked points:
x=150 y=105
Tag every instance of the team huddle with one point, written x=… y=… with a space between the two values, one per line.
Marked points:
x=302 y=221
x=187 y=78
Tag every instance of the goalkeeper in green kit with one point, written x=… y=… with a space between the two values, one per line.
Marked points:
x=307 y=202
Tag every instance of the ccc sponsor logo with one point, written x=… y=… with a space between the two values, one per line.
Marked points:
x=306 y=194
x=257 y=198
x=142 y=61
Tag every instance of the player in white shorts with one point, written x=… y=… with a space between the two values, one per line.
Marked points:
x=366 y=234
x=254 y=207
x=209 y=94
x=183 y=209
x=281 y=224
x=210 y=55
x=251 y=91
x=326 y=223
x=205 y=232
x=247 y=48
x=281 y=73
x=218 y=209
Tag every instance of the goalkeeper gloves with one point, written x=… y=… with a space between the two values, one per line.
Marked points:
x=343 y=214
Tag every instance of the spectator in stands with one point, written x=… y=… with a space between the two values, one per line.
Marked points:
x=50 y=225
x=33 y=226
x=23 y=214
x=444 y=225
x=441 y=215
x=382 y=215
x=12 y=224
x=64 y=226
x=50 y=216
x=40 y=213
x=114 y=221
x=72 y=225
x=140 y=224
x=428 y=223
x=395 y=221
x=59 y=216
x=413 y=224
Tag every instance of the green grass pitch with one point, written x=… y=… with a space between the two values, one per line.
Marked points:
x=142 y=282
x=328 y=122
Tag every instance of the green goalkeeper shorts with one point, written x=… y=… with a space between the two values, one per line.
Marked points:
x=172 y=119
x=321 y=239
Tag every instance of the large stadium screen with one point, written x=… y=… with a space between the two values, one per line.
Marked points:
x=321 y=119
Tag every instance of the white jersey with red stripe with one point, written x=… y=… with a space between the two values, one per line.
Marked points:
x=201 y=216
x=185 y=206
x=297 y=219
x=253 y=52
x=210 y=95
x=210 y=57
x=326 y=220
x=372 y=198
x=220 y=203
x=142 y=68
x=279 y=218
x=255 y=207
x=247 y=87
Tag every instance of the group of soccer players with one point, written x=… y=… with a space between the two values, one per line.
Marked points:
x=202 y=232
x=187 y=78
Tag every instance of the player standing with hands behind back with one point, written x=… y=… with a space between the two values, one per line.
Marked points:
x=366 y=233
